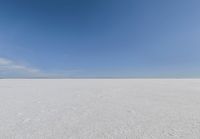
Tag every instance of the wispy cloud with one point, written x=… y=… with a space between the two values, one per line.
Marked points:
x=9 y=68
x=12 y=69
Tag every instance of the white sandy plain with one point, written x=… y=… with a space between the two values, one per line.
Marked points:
x=99 y=109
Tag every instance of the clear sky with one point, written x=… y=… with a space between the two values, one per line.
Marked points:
x=99 y=38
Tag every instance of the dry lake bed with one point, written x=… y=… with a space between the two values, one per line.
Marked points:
x=99 y=109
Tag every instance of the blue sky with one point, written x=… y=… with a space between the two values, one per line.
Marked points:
x=99 y=38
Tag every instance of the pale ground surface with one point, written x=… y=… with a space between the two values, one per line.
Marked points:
x=100 y=109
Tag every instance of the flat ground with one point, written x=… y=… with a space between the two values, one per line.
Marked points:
x=99 y=109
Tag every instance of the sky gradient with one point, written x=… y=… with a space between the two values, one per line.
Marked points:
x=99 y=38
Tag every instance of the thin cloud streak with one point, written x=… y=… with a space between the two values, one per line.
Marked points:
x=11 y=68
